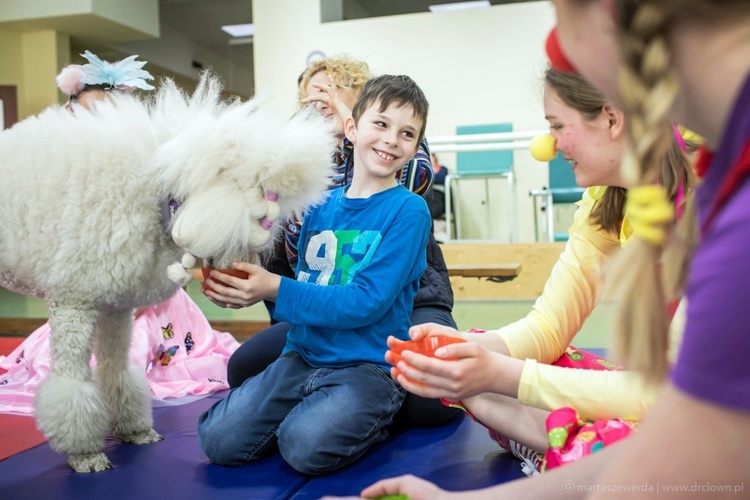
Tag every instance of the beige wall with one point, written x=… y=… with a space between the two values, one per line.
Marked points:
x=35 y=39
x=11 y=72
x=30 y=61
x=479 y=66
x=44 y=53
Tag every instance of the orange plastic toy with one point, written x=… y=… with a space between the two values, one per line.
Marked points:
x=426 y=346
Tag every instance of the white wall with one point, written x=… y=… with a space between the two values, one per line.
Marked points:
x=480 y=66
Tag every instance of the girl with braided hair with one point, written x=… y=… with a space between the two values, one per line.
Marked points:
x=687 y=61
x=523 y=372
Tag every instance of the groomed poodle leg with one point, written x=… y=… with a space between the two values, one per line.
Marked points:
x=122 y=384
x=69 y=408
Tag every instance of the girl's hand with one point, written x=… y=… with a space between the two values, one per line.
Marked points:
x=490 y=340
x=242 y=292
x=458 y=371
x=418 y=332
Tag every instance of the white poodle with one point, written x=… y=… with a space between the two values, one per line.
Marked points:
x=96 y=206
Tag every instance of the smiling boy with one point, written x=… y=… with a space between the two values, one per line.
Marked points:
x=329 y=397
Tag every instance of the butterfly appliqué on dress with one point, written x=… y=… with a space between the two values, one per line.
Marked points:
x=167 y=331
x=163 y=356
x=189 y=344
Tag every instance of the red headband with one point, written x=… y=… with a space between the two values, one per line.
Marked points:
x=555 y=54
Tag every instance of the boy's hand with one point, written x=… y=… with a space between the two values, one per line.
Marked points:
x=242 y=292
x=458 y=371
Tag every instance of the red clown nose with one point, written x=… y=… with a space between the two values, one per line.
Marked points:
x=555 y=54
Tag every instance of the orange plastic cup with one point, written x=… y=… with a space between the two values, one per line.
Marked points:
x=426 y=346
x=230 y=271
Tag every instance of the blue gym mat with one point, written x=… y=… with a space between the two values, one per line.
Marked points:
x=456 y=456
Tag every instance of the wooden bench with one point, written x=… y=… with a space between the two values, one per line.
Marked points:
x=493 y=272
x=468 y=261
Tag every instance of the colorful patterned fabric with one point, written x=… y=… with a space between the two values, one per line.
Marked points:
x=576 y=358
x=572 y=438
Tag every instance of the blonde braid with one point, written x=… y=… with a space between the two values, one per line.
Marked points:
x=679 y=251
x=648 y=87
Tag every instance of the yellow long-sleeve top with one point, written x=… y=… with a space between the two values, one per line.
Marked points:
x=570 y=294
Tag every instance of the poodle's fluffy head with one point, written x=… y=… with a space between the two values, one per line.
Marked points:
x=237 y=169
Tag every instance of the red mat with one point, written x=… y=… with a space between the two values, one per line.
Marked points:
x=7 y=344
x=17 y=432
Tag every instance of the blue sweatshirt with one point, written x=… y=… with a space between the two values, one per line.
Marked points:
x=358 y=272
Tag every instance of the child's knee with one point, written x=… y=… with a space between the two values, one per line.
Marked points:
x=308 y=460
x=219 y=451
x=308 y=451
x=215 y=441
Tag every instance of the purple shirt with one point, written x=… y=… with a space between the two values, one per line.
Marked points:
x=714 y=360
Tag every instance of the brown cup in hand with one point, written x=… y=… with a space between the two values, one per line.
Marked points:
x=230 y=271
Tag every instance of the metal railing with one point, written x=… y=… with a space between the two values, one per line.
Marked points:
x=499 y=141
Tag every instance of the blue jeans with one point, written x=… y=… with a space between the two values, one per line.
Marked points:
x=320 y=419
x=263 y=348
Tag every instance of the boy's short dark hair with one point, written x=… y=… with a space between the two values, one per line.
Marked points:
x=387 y=89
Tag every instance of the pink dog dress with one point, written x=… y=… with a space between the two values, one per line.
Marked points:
x=172 y=342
